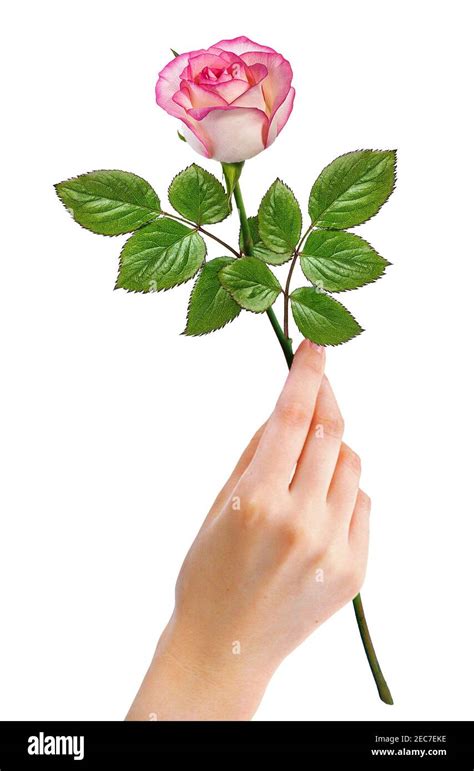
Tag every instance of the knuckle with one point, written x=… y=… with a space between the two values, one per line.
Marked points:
x=292 y=534
x=248 y=498
x=319 y=554
x=292 y=414
x=253 y=505
x=351 y=459
x=333 y=425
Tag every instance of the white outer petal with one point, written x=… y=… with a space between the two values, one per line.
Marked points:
x=234 y=134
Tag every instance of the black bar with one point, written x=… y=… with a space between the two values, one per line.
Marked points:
x=140 y=745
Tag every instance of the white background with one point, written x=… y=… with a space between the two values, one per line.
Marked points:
x=116 y=432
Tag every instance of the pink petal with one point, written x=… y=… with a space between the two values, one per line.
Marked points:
x=183 y=99
x=195 y=141
x=198 y=63
x=196 y=137
x=227 y=56
x=203 y=96
x=210 y=79
x=280 y=118
x=253 y=97
x=239 y=45
x=262 y=57
x=230 y=90
x=256 y=73
x=199 y=113
x=276 y=85
x=169 y=82
x=278 y=81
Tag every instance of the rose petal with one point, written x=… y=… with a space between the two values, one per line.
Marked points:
x=253 y=97
x=235 y=134
x=277 y=85
x=203 y=96
x=169 y=82
x=256 y=73
x=227 y=56
x=278 y=81
x=210 y=77
x=280 y=118
x=196 y=137
x=239 y=45
x=195 y=141
x=268 y=59
x=183 y=99
x=197 y=63
x=230 y=90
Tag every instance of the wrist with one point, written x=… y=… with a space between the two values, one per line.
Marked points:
x=194 y=679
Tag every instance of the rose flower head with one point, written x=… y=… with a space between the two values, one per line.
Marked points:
x=233 y=98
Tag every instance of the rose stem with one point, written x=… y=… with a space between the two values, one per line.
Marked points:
x=285 y=342
x=381 y=683
x=283 y=339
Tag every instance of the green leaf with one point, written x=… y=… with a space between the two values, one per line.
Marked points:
x=279 y=218
x=199 y=196
x=322 y=319
x=109 y=202
x=210 y=306
x=259 y=248
x=160 y=256
x=352 y=188
x=250 y=283
x=336 y=261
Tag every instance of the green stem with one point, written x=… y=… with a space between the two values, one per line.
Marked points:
x=381 y=683
x=286 y=291
x=283 y=339
x=285 y=342
x=244 y=223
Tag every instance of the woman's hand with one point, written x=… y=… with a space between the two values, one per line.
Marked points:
x=282 y=549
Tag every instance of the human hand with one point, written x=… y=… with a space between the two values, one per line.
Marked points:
x=283 y=547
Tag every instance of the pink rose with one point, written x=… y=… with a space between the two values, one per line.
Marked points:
x=233 y=98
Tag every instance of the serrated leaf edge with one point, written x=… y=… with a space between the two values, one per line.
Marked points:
x=164 y=289
x=216 y=329
x=209 y=173
x=329 y=345
x=279 y=179
x=108 y=235
x=350 y=152
x=354 y=289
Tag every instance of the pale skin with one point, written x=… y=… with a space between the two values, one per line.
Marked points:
x=283 y=548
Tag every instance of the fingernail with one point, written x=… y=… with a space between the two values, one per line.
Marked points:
x=316 y=347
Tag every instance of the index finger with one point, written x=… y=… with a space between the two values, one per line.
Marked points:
x=286 y=431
